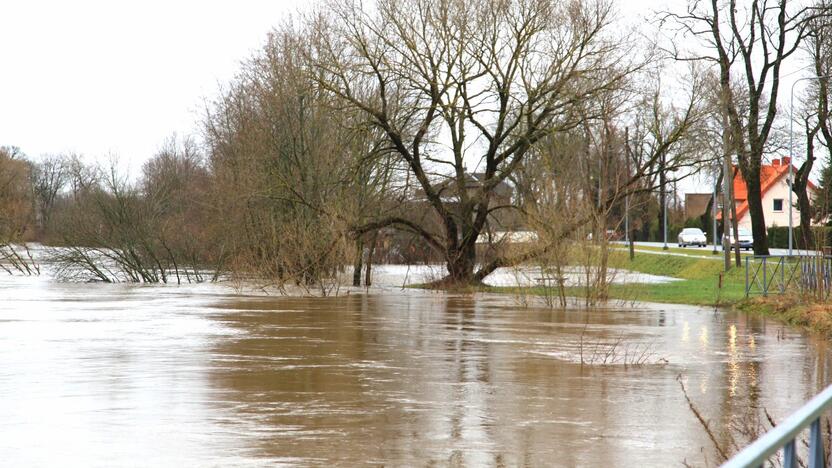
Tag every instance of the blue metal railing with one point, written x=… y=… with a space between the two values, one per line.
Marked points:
x=784 y=434
x=775 y=274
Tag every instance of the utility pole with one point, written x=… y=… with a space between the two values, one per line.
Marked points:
x=663 y=197
x=726 y=211
x=714 y=203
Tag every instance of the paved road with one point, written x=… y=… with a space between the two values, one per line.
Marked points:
x=711 y=247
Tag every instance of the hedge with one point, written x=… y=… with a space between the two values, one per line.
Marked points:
x=778 y=237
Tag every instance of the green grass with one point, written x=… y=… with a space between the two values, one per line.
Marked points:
x=686 y=251
x=704 y=291
x=698 y=285
x=699 y=280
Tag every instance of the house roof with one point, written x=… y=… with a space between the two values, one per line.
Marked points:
x=770 y=174
x=447 y=187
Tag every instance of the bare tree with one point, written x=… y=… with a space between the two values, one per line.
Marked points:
x=293 y=171
x=459 y=85
x=49 y=178
x=816 y=118
x=749 y=43
x=15 y=212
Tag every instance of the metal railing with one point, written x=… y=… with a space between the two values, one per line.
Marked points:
x=776 y=274
x=784 y=435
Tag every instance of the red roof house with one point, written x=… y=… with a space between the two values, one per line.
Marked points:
x=774 y=187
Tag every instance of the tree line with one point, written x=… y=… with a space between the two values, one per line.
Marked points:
x=391 y=131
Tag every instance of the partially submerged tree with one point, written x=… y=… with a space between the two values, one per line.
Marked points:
x=292 y=171
x=111 y=229
x=467 y=85
x=15 y=211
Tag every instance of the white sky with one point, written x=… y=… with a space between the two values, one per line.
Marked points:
x=99 y=77
x=102 y=77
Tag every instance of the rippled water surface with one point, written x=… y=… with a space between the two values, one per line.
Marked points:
x=115 y=375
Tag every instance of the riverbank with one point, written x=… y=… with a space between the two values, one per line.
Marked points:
x=700 y=280
x=793 y=310
x=700 y=286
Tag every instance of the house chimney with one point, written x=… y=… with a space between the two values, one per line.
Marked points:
x=787 y=160
x=776 y=163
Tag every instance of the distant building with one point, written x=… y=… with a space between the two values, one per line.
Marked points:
x=503 y=218
x=774 y=186
x=696 y=204
x=448 y=189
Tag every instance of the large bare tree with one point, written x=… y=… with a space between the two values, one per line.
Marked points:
x=749 y=43
x=816 y=115
x=458 y=86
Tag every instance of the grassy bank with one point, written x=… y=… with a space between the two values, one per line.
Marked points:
x=699 y=284
x=693 y=252
x=698 y=280
x=794 y=310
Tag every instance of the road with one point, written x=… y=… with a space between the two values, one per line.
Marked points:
x=710 y=247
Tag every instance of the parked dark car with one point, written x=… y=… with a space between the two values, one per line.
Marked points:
x=746 y=240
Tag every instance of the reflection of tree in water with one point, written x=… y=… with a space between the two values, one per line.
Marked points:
x=421 y=378
x=408 y=379
x=298 y=373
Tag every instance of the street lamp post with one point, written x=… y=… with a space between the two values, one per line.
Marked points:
x=791 y=152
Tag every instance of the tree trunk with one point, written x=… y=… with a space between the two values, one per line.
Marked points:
x=645 y=228
x=799 y=186
x=359 y=256
x=461 y=265
x=755 y=210
x=727 y=201
x=805 y=208
x=368 y=279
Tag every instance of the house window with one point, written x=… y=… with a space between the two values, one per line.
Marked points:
x=778 y=204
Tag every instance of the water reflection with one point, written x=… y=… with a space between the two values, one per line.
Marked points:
x=197 y=376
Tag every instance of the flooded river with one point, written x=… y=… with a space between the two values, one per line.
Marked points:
x=119 y=375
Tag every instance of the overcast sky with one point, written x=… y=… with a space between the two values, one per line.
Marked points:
x=115 y=77
x=99 y=77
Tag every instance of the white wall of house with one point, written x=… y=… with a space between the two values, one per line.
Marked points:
x=780 y=191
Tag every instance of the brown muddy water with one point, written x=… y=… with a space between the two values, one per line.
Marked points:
x=117 y=375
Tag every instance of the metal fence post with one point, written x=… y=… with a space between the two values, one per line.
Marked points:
x=782 y=275
x=765 y=278
x=815 y=445
x=789 y=455
x=746 y=278
x=785 y=436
